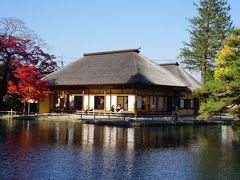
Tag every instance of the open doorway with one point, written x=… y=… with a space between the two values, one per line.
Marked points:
x=123 y=102
x=145 y=103
x=99 y=102
x=78 y=102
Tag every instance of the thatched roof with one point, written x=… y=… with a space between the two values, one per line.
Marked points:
x=120 y=67
x=182 y=75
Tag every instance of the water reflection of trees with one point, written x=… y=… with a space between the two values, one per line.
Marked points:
x=210 y=146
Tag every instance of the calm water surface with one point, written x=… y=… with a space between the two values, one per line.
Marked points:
x=65 y=150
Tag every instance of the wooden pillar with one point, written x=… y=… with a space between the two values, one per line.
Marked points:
x=149 y=103
x=50 y=103
x=83 y=104
x=68 y=102
x=88 y=100
x=196 y=105
x=156 y=108
x=105 y=101
x=136 y=102
x=111 y=99
x=154 y=101
x=24 y=108
x=56 y=98
x=28 y=107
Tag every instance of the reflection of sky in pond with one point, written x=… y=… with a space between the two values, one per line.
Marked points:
x=62 y=150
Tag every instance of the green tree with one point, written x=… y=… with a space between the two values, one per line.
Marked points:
x=208 y=29
x=224 y=90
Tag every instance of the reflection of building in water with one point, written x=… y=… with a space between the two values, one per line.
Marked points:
x=87 y=134
x=109 y=158
x=63 y=133
x=116 y=138
x=98 y=136
x=11 y=124
x=130 y=149
x=130 y=138
x=110 y=136
x=57 y=130
x=70 y=133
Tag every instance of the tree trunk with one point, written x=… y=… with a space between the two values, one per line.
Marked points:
x=3 y=88
x=29 y=104
x=24 y=106
x=203 y=71
x=1 y=101
x=4 y=81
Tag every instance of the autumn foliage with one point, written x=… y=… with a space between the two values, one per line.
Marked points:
x=29 y=84
x=23 y=64
x=25 y=51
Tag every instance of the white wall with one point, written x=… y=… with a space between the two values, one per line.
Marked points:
x=114 y=100
x=108 y=104
x=85 y=99
x=91 y=103
x=131 y=103
x=71 y=101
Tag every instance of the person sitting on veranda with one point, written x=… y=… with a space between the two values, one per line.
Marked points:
x=119 y=108
x=86 y=111
x=112 y=108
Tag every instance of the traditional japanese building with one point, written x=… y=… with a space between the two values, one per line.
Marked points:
x=126 y=78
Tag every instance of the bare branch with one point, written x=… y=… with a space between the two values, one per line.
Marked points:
x=11 y=26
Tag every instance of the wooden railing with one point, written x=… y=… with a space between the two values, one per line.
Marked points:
x=124 y=115
x=97 y=115
x=9 y=114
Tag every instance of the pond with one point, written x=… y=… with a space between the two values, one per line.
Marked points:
x=67 y=150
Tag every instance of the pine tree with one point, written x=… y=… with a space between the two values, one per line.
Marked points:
x=223 y=92
x=208 y=30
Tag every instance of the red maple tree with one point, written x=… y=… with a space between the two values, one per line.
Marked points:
x=23 y=53
x=29 y=84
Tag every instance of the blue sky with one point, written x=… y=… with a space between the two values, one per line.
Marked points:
x=74 y=27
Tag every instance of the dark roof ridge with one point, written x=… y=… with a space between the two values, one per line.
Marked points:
x=170 y=64
x=137 y=50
